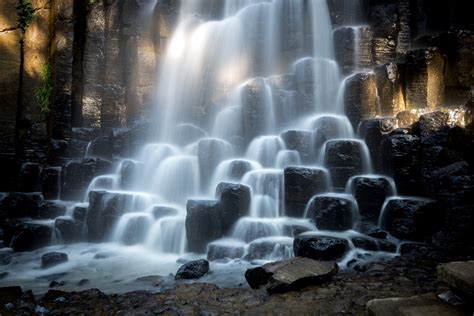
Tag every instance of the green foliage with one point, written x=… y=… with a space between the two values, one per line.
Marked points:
x=45 y=92
x=25 y=13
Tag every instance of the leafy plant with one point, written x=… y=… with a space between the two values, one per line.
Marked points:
x=45 y=92
x=25 y=14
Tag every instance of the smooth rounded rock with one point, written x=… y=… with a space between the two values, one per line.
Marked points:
x=193 y=270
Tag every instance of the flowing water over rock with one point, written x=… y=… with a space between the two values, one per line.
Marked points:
x=242 y=95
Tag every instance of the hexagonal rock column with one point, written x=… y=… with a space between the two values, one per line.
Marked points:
x=360 y=97
x=332 y=212
x=203 y=224
x=234 y=203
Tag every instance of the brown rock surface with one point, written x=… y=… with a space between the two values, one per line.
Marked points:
x=458 y=275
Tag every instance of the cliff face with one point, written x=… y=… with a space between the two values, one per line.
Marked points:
x=71 y=63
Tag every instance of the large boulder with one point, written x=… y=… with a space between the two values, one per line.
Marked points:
x=193 y=270
x=370 y=194
x=52 y=259
x=24 y=236
x=290 y=275
x=320 y=247
x=234 y=203
x=412 y=219
x=203 y=224
x=332 y=213
x=301 y=184
x=29 y=179
x=344 y=159
x=402 y=161
x=459 y=276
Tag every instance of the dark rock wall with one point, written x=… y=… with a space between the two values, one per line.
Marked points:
x=102 y=56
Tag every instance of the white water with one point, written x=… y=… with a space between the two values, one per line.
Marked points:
x=227 y=88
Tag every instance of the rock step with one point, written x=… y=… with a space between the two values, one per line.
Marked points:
x=458 y=275
x=426 y=304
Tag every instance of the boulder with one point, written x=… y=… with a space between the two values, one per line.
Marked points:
x=374 y=131
x=402 y=161
x=320 y=247
x=412 y=219
x=70 y=230
x=344 y=159
x=459 y=276
x=290 y=275
x=22 y=236
x=234 y=203
x=299 y=140
x=301 y=184
x=332 y=212
x=221 y=250
x=360 y=97
x=193 y=270
x=51 y=182
x=52 y=259
x=424 y=79
x=203 y=224
x=29 y=179
x=370 y=194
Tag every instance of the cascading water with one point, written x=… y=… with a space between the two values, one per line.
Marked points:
x=230 y=85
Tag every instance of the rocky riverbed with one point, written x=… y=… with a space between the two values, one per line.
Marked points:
x=412 y=273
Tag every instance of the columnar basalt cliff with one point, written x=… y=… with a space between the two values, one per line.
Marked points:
x=326 y=135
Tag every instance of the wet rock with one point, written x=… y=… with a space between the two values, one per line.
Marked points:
x=370 y=194
x=360 y=98
x=301 y=184
x=373 y=131
x=406 y=119
x=320 y=247
x=29 y=179
x=269 y=248
x=424 y=78
x=9 y=294
x=79 y=213
x=290 y=275
x=23 y=236
x=105 y=208
x=300 y=141
x=193 y=270
x=163 y=211
x=51 y=210
x=188 y=133
x=52 y=259
x=126 y=141
x=203 y=224
x=332 y=213
x=83 y=282
x=234 y=203
x=412 y=219
x=305 y=83
x=353 y=46
x=459 y=276
x=219 y=251
x=69 y=229
x=101 y=147
x=432 y=123
x=383 y=19
x=238 y=168
x=389 y=80
x=50 y=182
x=18 y=204
x=211 y=152
x=344 y=159
x=85 y=134
x=402 y=160
x=426 y=304
x=364 y=243
x=77 y=175
x=387 y=246
x=128 y=169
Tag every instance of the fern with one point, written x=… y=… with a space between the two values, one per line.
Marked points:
x=45 y=92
